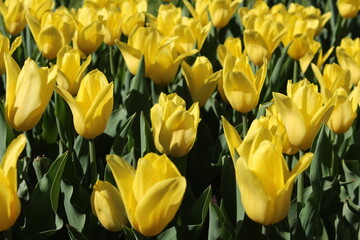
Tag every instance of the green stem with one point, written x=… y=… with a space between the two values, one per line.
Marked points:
x=300 y=185
x=93 y=164
x=28 y=41
x=245 y=124
x=112 y=72
x=295 y=73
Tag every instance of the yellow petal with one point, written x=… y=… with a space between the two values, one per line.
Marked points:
x=233 y=138
x=131 y=55
x=255 y=46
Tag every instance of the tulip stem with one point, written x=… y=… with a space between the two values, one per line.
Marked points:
x=300 y=185
x=28 y=43
x=93 y=165
x=245 y=125
x=111 y=61
x=295 y=73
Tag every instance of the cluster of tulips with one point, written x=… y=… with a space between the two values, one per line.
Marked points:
x=135 y=120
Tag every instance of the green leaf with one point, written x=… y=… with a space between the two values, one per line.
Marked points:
x=120 y=140
x=41 y=166
x=49 y=129
x=41 y=215
x=5 y=131
x=117 y=117
x=146 y=137
x=75 y=234
x=219 y=225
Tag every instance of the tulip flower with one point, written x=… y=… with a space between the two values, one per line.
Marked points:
x=263 y=177
x=37 y=8
x=9 y=201
x=112 y=25
x=231 y=45
x=134 y=16
x=241 y=87
x=200 y=79
x=28 y=92
x=232 y=137
x=53 y=32
x=302 y=112
x=221 y=11
x=107 y=205
x=6 y=49
x=93 y=104
x=161 y=58
x=90 y=32
x=13 y=12
x=348 y=8
x=151 y=194
x=200 y=11
x=167 y=18
x=174 y=127
x=348 y=57
x=70 y=69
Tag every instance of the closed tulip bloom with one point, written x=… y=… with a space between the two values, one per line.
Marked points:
x=200 y=11
x=28 y=92
x=241 y=87
x=344 y=112
x=167 y=18
x=302 y=112
x=174 y=127
x=93 y=104
x=134 y=16
x=348 y=56
x=200 y=79
x=263 y=177
x=9 y=201
x=348 y=8
x=70 y=69
x=90 y=33
x=112 y=26
x=13 y=12
x=152 y=193
x=6 y=49
x=107 y=206
x=299 y=46
x=53 y=31
x=233 y=139
x=231 y=45
x=221 y=11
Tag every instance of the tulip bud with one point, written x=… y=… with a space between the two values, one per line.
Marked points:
x=347 y=55
x=221 y=11
x=9 y=201
x=152 y=193
x=107 y=205
x=348 y=8
x=174 y=127
x=6 y=49
x=13 y=12
x=93 y=104
x=28 y=92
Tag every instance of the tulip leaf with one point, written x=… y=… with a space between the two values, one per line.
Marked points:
x=41 y=166
x=352 y=175
x=75 y=234
x=41 y=215
x=49 y=129
x=117 y=117
x=120 y=139
x=278 y=74
x=64 y=121
x=146 y=137
x=219 y=226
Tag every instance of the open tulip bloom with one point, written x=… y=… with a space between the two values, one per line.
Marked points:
x=152 y=193
x=262 y=174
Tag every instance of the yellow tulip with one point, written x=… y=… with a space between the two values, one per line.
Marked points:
x=152 y=193
x=200 y=11
x=333 y=77
x=232 y=137
x=6 y=49
x=241 y=87
x=348 y=56
x=263 y=177
x=200 y=79
x=70 y=69
x=348 y=8
x=28 y=92
x=161 y=58
x=93 y=104
x=174 y=127
x=13 y=12
x=167 y=18
x=37 y=8
x=134 y=16
x=107 y=206
x=53 y=31
x=221 y=11
x=9 y=201
x=302 y=112
x=344 y=112
x=90 y=29
x=231 y=45
x=299 y=46
x=112 y=25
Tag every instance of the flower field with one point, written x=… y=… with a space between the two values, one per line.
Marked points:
x=183 y=119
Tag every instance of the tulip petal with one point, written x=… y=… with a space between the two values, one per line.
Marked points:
x=159 y=205
x=255 y=46
x=10 y=158
x=233 y=138
x=292 y=118
x=124 y=175
x=12 y=73
x=131 y=55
